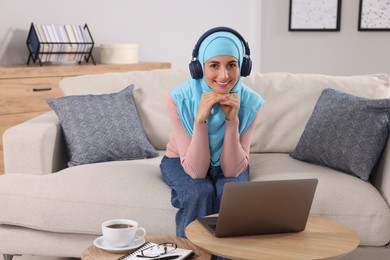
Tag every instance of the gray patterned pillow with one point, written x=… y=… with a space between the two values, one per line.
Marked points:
x=99 y=128
x=345 y=132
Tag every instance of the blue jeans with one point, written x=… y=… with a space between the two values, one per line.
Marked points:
x=194 y=197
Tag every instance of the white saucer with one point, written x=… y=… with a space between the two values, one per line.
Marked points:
x=102 y=244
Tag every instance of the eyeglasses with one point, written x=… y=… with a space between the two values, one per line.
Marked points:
x=157 y=250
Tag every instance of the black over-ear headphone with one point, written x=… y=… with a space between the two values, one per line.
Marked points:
x=195 y=66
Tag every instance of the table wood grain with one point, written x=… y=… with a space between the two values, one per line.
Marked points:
x=322 y=238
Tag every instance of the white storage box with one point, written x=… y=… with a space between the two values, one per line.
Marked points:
x=119 y=53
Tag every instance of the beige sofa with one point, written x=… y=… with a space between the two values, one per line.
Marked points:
x=47 y=208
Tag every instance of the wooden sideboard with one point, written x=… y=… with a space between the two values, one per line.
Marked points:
x=23 y=89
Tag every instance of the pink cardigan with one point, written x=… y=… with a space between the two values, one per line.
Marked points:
x=194 y=152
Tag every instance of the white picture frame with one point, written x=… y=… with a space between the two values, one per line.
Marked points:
x=315 y=15
x=374 y=15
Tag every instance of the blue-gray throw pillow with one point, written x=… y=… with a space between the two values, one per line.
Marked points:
x=99 y=128
x=345 y=132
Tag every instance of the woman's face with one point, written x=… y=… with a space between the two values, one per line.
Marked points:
x=221 y=73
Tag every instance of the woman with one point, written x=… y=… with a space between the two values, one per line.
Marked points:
x=213 y=116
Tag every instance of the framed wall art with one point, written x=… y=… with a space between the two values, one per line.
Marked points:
x=315 y=15
x=374 y=15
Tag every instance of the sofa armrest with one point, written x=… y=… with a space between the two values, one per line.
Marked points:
x=380 y=178
x=35 y=147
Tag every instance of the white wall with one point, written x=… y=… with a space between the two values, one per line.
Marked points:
x=165 y=30
x=346 y=52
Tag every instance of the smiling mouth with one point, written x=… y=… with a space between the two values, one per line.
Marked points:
x=222 y=84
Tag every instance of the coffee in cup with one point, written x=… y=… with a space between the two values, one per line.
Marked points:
x=121 y=232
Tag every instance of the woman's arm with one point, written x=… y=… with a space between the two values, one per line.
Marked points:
x=194 y=152
x=235 y=151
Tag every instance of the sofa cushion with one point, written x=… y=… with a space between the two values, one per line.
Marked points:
x=291 y=99
x=341 y=197
x=99 y=128
x=78 y=199
x=345 y=132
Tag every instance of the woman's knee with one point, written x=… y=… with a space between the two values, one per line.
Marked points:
x=172 y=172
x=200 y=189
x=193 y=192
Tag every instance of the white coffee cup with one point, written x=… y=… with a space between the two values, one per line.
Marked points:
x=121 y=232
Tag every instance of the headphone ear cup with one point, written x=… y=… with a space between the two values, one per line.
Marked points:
x=196 y=69
x=246 y=67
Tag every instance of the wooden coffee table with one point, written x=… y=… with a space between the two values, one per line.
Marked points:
x=322 y=238
x=93 y=252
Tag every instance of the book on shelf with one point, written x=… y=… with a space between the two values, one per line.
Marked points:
x=48 y=41
x=177 y=254
x=72 y=41
x=66 y=48
x=54 y=39
x=44 y=48
x=35 y=42
x=80 y=48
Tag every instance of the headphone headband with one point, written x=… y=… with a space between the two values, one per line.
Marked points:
x=195 y=66
x=195 y=51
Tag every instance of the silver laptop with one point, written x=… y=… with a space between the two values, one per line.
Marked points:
x=264 y=207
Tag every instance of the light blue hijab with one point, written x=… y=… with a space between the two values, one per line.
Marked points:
x=187 y=95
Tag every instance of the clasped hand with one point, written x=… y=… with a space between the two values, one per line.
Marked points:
x=230 y=104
